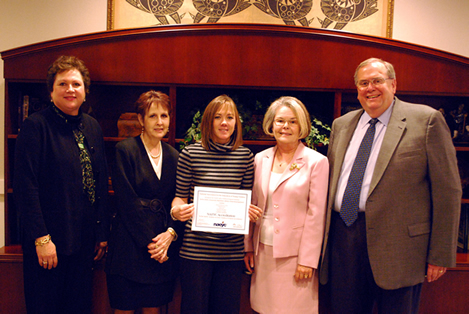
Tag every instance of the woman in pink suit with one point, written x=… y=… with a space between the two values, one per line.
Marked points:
x=290 y=188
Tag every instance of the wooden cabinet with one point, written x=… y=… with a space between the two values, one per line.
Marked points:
x=252 y=63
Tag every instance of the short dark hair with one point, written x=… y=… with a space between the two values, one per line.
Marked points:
x=143 y=103
x=66 y=63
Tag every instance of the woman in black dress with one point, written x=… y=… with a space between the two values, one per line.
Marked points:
x=141 y=262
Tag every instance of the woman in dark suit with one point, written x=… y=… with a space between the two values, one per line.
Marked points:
x=141 y=264
x=61 y=188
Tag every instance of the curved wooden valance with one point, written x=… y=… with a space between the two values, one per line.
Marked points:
x=243 y=55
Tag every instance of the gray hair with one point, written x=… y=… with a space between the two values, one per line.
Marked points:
x=389 y=68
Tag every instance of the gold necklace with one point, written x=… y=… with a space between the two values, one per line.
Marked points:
x=281 y=163
x=149 y=152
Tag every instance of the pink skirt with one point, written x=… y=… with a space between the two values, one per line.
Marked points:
x=274 y=289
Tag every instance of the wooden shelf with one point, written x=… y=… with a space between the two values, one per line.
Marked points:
x=462 y=261
x=11 y=254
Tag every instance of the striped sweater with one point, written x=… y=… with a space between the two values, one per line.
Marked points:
x=221 y=168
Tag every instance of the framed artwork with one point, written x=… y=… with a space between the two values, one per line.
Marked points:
x=371 y=17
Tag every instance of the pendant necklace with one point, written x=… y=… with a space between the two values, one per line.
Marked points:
x=280 y=163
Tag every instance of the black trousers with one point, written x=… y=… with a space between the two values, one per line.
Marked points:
x=210 y=287
x=64 y=289
x=352 y=286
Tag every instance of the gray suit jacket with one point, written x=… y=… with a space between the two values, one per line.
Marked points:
x=414 y=201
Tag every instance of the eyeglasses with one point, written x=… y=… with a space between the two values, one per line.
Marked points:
x=282 y=122
x=376 y=82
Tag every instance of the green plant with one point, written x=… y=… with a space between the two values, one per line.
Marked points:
x=250 y=116
x=193 y=134
x=319 y=134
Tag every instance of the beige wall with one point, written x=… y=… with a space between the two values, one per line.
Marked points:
x=434 y=23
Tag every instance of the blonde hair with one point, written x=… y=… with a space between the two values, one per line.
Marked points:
x=298 y=108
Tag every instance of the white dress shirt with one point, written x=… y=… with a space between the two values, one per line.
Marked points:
x=351 y=154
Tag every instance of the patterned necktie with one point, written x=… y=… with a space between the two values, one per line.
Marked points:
x=349 y=208
x=86 y=167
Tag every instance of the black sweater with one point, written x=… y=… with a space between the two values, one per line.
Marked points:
x=48 y=186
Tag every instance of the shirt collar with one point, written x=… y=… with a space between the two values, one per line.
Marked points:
x=384 y=118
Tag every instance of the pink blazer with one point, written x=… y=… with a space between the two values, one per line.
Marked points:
x=299 y=203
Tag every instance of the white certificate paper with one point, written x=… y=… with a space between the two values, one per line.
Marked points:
x=221 y=210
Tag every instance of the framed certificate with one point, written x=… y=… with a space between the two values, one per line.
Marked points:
x=221 y=210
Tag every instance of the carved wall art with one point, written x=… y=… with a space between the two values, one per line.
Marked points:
x=371 y=17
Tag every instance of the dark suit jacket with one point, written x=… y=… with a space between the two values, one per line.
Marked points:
x=135 y=224
x=413 y=205
x=48 y=185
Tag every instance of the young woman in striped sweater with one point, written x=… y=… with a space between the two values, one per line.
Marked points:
x=212 y=263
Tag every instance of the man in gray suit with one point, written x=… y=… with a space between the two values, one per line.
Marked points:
x=404 y=223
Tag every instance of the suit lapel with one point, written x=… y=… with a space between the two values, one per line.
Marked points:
x=266 y=169
x=146 y=163
x=291 y=170
x=167 y=163
x=392 y=137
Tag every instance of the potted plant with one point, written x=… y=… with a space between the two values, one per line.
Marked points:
x=319 y=134
x=193 y=134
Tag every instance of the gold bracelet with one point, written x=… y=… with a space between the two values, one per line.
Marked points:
x=173 y=233
x=43 y=241
x=171 y=214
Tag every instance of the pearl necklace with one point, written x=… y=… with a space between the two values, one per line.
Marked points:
x=149 y=152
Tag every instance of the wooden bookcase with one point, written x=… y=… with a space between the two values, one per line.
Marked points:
x=252 y=63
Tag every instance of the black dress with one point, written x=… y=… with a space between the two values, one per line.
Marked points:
x=142 y=212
